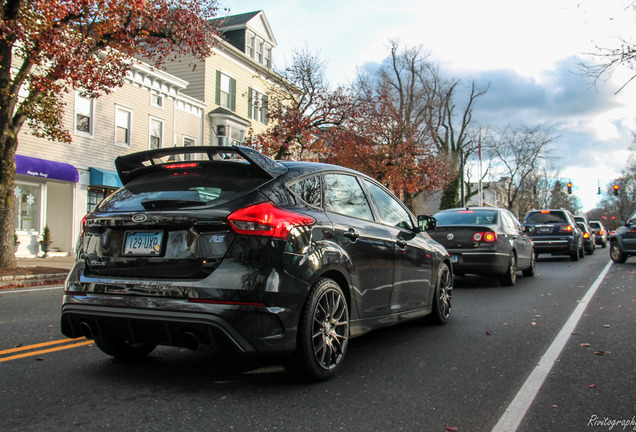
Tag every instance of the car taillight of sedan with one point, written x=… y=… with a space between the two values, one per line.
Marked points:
x=566 y=228
x=265 y=219
x=488 y=237
x=586 y=235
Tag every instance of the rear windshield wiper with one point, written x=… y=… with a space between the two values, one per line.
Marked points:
x=151 y=204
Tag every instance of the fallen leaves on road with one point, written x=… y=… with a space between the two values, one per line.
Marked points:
x=592 y=386
x=585 y=345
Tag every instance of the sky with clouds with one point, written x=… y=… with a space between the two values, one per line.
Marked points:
x=527 y=52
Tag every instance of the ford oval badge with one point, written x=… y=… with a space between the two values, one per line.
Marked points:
x=449 y=237
x=139 y=217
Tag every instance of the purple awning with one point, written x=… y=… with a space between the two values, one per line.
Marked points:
x=45 y=169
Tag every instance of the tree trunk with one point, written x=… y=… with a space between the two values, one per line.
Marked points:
x=8 y=146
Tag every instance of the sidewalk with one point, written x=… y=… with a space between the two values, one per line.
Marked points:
x=37 y=271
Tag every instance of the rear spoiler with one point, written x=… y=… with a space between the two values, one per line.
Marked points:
x=130 y=166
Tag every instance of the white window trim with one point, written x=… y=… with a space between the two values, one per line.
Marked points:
x=161 y=142
x=90 y=134
x=42 y=209
x=129 y=111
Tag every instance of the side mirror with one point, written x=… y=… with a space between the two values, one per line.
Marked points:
x=426 y=223
x=528 y=229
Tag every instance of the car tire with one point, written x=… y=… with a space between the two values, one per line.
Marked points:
x=604 y=245
x=510 y=277
x=532 y=269
x=442 y=297
x=123 y=350
x=582 y=252
x=615 y=253
x=574 y=256
x=323 y=333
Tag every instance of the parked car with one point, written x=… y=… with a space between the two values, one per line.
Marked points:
x=486 y=241
x=589 y=238
x=554 y=231
x=623 y=241
x=601 y=233
x=222 y=247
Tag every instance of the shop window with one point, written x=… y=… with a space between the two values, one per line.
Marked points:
x=95 y=196
x=27 y=206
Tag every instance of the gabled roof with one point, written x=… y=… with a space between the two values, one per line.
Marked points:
x=255 y=21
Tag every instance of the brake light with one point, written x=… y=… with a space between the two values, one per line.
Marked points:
x=181 y=165
x=600 y=232
x=267 y=220
x=83 y=226
x=545 y=211
x=586 y=235
x=566 y=228
x=488 y=237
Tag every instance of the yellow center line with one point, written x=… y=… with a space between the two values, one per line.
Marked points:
x=82 y=342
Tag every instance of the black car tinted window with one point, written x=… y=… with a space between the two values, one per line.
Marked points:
x=308 y=190
x=467 y=217
x=345 y=196
x=545 y=218
x=166 y=189
x=595 y=225
x=391 y=211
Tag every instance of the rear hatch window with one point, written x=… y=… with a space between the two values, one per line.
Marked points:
x=467 y=217
x=208 y=184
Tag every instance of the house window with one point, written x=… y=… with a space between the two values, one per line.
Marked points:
x=83 y=115
x=236 y=136
x=259 y=53
x=225 y=91
x=122 y=126
x=95 y=196
x=250 y=46
x=156 y=133
x=268 y=58
x=27 y=206
x=156 y=99
x=188 y=142
x=256 y=106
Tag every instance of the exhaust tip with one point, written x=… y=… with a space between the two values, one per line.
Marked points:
x=86 y=330
x=190 y=341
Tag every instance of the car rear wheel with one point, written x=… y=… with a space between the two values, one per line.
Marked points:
x=530 y=271
x=443 y=296
x=574 y=256
x=123 y=350
x=323 y=334
x=510 y=277
x=616 y=254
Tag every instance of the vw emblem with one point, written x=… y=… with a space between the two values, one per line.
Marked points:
x=139 y=217
x=449 y=237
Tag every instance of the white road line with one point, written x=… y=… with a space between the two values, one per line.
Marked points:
x=516 y=411
x=13 y=290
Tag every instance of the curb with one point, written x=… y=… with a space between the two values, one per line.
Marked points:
x=34 y=277
x=10 y=282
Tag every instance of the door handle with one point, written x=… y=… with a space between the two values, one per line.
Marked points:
x=351 y=234
x=401 y=243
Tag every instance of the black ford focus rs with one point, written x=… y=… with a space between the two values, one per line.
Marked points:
x=225 y=249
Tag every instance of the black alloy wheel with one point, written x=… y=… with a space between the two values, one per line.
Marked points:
x=510 y=277
x=323 y=334
x=443 y=297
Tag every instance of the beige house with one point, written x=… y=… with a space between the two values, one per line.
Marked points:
x=218 y=103
x=58 y=183
x=233 y=82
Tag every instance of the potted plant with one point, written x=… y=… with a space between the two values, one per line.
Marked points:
x=45 y=243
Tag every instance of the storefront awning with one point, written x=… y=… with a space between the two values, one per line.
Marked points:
x=100 y=177
x=45 y=169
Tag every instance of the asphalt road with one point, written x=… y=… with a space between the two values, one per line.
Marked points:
x=462 y=376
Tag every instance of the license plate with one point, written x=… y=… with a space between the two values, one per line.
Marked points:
x=545 y=230
x=453 y=258
x=146 y=243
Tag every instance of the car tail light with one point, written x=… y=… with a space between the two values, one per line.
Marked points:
x=600 y=232
x=586 y=235
x=265 y=219
x=566 y=228
x=181 y=165
x=83 y=226
x=488 y=237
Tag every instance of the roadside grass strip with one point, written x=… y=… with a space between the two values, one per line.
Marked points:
x=41 y=348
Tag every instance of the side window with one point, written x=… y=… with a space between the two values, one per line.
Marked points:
x=391 y=211
x=308 y=190
x=345 y=196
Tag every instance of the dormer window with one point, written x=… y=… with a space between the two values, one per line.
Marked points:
x=268 y=58
x=249 y=46
x=259 y=52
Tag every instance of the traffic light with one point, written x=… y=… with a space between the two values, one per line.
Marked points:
x=570 y=188
x=616 y=187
